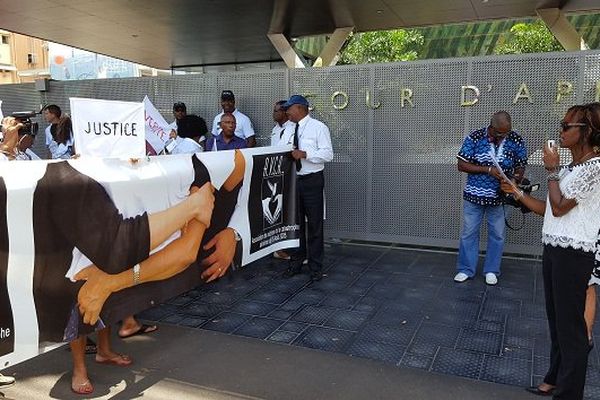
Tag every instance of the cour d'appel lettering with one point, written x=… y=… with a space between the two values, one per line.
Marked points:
x=111 y=128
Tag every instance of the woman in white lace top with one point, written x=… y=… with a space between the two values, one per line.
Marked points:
x=570 y=232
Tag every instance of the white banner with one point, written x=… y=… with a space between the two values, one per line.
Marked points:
x=106 y=128
x=157 y=129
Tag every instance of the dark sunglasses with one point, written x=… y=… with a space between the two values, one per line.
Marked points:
x=567 y=125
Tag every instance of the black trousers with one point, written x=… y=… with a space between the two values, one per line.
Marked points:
x=309 y=207
x=566 y=275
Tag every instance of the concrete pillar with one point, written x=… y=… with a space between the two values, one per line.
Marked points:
x=285 y=50
x=561 y=28
x=328 y=56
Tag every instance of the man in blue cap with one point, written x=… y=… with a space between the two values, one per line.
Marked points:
x=312 y=149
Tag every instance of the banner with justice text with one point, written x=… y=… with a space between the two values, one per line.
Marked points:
x=86 y=242
x=108 y=128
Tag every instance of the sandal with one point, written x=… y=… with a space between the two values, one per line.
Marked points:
x=120 y=360
x=143 y=329
x=82 y=388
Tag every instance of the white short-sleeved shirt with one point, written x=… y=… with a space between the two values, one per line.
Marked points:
x=579 y=227
x=281 y=132
x=243 y=125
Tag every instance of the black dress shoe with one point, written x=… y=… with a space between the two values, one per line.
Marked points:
x=316 y=276
x=291 y=272
x=537 y=391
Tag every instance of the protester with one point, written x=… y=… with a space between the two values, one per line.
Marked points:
x=312 y=149
x=58 y=141
x=282 y=123
x=569 y=234
x=243 y=129
x=481 y=194
x=226 y=139
x=187 y=126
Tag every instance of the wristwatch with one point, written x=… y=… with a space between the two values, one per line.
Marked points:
x=236 y=235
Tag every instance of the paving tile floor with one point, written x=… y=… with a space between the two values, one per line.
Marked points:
x=395 y=305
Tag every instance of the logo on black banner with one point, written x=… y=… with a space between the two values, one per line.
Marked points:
x=272 y=192
x=272 y=201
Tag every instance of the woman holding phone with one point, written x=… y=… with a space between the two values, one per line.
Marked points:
x=569 y=234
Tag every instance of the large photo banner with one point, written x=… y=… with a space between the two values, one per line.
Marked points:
x=86 y=242
x=108 y=128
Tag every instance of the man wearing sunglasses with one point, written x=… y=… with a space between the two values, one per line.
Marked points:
x=481 y=195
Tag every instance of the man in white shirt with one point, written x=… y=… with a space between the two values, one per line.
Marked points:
x=63 y=149
x=312 y=149
x=282 y=125
x=243 y=128
x=283 y=129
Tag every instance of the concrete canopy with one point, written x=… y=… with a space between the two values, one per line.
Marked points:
x=176 y=33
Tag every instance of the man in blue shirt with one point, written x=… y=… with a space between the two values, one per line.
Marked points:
x=226 y=140
x=481 y=194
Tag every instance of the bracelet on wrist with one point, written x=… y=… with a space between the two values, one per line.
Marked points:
x=489 y=170
x=519 y=195
x=136 y=274
x=553 y=177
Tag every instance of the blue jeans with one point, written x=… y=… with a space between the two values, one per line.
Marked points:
x=468 y=252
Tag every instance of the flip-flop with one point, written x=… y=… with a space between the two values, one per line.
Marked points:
x=537 y=391
x=120 y=360
x=83 y=388
x=143 y=329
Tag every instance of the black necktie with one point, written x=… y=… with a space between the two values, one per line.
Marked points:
x=281 y=134
x=298 y=162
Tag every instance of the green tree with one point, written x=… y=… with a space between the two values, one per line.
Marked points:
x=531 y=37
x=383 y=46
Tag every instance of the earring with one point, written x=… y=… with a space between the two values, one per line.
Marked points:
x=596 y=149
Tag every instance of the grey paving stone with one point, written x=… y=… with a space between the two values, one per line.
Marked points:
x=282 y=337
x=480 y=341
x=442 y=335
x=254 y=308
x=457 y=362
x=258 y=327
x=414 y=361
x=376 y=351
x=422 y=348
x=226 y=322
x=511 y=371
x=348 y=320
x=400 y=335
x=313 y=314
x=324 y=339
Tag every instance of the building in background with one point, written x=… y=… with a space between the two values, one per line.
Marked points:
x=22 y=58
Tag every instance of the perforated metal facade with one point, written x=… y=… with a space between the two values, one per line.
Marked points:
x=394 y=175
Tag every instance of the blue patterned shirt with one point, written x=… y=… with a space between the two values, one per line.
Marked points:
x=477 y=149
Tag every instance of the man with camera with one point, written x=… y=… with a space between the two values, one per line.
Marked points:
x=480 y=155
x=19 y=135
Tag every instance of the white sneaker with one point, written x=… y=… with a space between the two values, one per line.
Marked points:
x=461 y=277
x=305 y=262
x=6 y=381
x=491 y=278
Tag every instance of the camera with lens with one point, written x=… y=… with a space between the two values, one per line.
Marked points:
x=526 y=186
x=29 y=127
